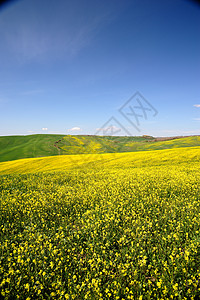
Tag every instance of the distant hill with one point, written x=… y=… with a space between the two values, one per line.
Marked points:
x=40 y=145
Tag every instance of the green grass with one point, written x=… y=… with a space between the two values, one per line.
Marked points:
x=40 y=145
x=16 y=147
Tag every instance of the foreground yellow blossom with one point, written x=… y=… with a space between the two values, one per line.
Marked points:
x=112 y=226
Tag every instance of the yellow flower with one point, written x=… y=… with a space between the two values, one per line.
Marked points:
x=159 y=283
x=27 y=286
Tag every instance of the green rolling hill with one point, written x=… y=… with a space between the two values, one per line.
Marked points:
x=29 y=146
x=40 y=145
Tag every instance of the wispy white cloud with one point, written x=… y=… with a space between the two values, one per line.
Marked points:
x=44 y=128
x=74 y=129
x=30 y=38
x=197 y=105
x=196 y=119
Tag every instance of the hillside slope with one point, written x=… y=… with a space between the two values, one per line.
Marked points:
x=41 y=145
x=128 y=160
x=112 y=144
x=16 y=147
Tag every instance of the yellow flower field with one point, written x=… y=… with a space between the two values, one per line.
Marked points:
x=107 y=226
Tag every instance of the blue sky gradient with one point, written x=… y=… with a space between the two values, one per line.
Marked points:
x=68 y=66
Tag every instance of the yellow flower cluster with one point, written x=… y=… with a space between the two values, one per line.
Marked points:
x=125 y=228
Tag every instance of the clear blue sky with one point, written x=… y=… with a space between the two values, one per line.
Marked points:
x=69 y=66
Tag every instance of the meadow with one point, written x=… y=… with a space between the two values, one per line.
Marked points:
x=42 y=145
x=101 y=226
x=36 y=145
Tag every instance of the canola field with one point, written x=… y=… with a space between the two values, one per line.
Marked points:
x=112 y=226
